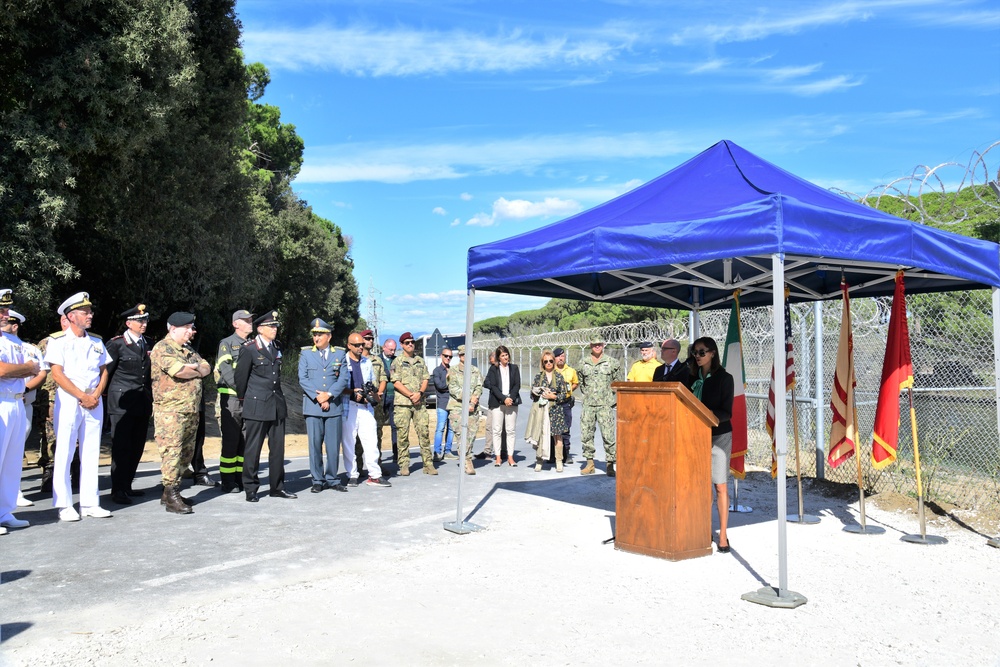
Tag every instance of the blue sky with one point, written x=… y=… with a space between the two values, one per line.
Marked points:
x=431 y=127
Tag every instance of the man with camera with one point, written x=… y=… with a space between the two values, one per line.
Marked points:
x=359 y=413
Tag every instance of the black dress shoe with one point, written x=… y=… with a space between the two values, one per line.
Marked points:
x=480 y=456
x=251 y=497
x=282 y=494
x=337 y=487
x=132 y=493
x=205 y=480
x=316 y=488
x=121 y=498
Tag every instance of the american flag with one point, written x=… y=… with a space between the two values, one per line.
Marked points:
x=789 y=383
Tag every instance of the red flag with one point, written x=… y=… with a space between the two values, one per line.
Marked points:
x=789 y=384
x=897 y=374
x=732 y=360
x=844 y=429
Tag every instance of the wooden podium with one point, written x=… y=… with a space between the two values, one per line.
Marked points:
x=664 y=480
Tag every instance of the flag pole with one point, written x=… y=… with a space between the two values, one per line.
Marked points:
x=923 y=537
x=863 y=528
x=801 y=517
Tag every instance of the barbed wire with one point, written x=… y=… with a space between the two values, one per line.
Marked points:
x=911 y=190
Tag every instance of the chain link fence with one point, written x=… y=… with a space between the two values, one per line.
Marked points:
x=951 y=339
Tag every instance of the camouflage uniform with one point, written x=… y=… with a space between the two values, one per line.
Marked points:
x=175 y=407
x=412 y=373
x=41 y=418
x=381 y=375
x=599 y=402
x=456 y=382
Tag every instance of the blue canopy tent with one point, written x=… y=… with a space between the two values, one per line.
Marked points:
x=727 y=220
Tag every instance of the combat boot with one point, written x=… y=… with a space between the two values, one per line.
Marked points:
x=173 y=502
x=589 y=468
x=469 y=468
x=559 y=459
x=611 y=469
x=429 y=469
x=163 y=498
x=404 y=469
x=538 y=464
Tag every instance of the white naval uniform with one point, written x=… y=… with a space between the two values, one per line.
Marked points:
x=359 y=420
x=81 y=359
x=12 y=429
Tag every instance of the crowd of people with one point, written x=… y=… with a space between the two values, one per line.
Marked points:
x=61 y=387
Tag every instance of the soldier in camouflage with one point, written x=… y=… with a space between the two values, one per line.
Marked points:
x=409 y=378
x=177 y=372
x=456 y=383
x=596 y=375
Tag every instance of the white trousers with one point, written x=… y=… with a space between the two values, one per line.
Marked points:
x=359 y=421
x=75 y=425
x=11 y=453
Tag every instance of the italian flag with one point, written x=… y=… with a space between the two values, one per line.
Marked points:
x=732 y=360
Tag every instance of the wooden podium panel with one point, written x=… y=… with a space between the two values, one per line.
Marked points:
x=664 y=471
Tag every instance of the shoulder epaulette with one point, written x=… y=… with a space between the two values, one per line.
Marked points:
x=57 y=334
x=116 y=337
x=337 y=348
x=306 y=347
x=93 y=335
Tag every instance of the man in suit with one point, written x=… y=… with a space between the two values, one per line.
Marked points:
x=672 y=370
x=323 y=380
x=258 y=389
x=130 y=401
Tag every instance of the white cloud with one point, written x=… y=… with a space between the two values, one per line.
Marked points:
x=465 y=196
x=834 y=83
x=456 y=222
x=522 y=209
x=404 y=51
x=804 y=16
x=394 y=162
x=439 y=211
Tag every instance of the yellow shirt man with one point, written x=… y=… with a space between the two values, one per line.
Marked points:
x=642 y=370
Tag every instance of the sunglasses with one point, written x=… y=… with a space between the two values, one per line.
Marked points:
x=355 y=344
x=675 y=349
x=369 y=337
x=548 y=361
x=447 y=356
x=407 y=342
x=700 y=353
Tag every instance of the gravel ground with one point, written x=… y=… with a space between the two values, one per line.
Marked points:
x=371 y=577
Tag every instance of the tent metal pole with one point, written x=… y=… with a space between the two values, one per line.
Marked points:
x=780 y=419
x=458 y=525
x=695 y=329
x=818 y=388
x=782 y=597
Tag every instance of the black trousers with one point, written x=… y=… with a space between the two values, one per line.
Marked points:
x=255 y=432
x=128 y=439
x=233 y=444
x=198 y=458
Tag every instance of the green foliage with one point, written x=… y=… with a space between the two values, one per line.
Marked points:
x=136 y=163
x=568 y=314
x=972 y=211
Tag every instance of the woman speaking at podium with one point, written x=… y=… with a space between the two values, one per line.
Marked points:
x=713 y=386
